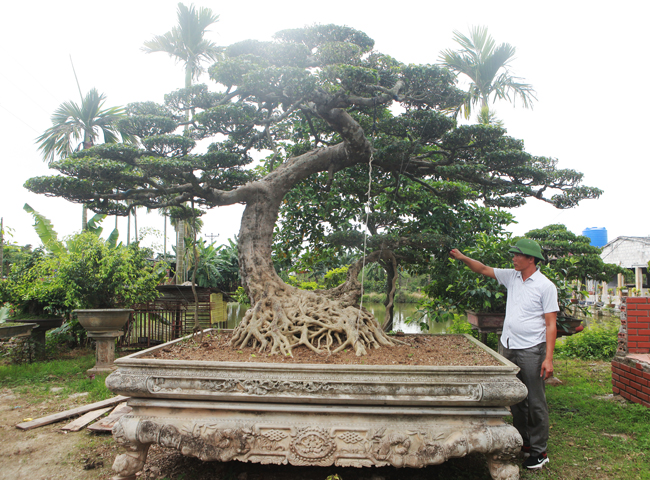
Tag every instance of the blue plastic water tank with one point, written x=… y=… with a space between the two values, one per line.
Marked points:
x=597 y=235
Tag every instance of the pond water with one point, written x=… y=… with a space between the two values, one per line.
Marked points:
x=403 y=311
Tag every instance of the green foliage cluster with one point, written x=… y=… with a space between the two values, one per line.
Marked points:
x=573 y=255
x=241 y=297
x=336 y=276
x=28 y=288
x=217 y=266
x=456 y=289
x=87 y=273
x=311 y=285
x=597 y=342
x=459 y=324
x=94 y=275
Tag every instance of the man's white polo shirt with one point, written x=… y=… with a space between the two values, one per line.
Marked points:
x=528 y=301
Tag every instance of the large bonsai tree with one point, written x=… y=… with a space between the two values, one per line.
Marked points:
x=311 y=100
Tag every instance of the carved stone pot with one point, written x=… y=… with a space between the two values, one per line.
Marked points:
x=8 y=330
x=43 y=324
x=320 y=415
x=104 y=326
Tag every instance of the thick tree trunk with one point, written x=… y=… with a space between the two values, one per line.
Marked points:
x=283 y=317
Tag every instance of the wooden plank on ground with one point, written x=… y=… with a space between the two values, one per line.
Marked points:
x=106 y=424
x=84 y=420
x=57 y=417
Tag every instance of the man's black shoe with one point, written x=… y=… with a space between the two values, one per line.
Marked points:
x=533 y=462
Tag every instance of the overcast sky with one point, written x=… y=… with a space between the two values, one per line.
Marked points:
x=588 y=64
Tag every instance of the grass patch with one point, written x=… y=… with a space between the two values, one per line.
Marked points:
x=36 y=380
x=598 y=341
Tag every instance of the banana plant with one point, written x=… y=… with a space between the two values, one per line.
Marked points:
x=45 y=231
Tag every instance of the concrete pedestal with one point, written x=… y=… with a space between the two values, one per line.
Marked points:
x=319 y=415
x=316 y=435
x=104 y=351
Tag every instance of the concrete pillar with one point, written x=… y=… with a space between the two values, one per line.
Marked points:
x=638 y=278
x=104 y=351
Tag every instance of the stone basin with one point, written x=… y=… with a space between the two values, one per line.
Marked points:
x=319 y=415
x=400 y=385
x=8 y=330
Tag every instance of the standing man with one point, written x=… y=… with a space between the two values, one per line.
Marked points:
x=528 y=339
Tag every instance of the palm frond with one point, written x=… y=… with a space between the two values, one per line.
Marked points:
x=185 y=42
x=486 y=65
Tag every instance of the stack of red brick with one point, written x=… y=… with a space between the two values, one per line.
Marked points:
x=631 y=365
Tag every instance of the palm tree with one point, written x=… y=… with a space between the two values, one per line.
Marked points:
x=186 y=43
x=77 y=127
x=487 y=66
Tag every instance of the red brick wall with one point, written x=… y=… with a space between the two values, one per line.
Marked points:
x=638 y=325
x=631 y=365
x=630 y=380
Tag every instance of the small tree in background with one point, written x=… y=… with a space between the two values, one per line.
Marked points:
x=573 y=255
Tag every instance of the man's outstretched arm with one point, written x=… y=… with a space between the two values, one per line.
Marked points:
x=474 y=265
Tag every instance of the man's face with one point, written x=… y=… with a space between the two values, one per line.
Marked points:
x=521 y=262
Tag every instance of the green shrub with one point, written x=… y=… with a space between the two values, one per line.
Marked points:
x=459 y=324
x=598 y=342
x=336 y=277
x=374 y=297
x=96 y=275
x=241 y=297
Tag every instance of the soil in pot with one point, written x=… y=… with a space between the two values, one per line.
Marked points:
x=435 y=350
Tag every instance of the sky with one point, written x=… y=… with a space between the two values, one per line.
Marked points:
x=586 y=62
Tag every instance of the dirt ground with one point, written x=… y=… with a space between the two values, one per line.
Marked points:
x=447 y=350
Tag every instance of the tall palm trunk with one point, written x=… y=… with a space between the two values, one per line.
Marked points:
x=180 y=225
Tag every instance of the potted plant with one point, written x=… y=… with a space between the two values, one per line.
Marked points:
x=101 y=280
x=569 y=318
x=610 y=300
x=10 y=329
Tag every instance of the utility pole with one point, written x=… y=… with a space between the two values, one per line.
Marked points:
x=212 y=237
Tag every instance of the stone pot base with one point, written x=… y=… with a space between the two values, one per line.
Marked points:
x=316 y=435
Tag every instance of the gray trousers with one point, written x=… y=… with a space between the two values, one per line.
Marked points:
x=530 y=416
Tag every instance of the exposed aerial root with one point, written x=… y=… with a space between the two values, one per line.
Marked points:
x=280 y=323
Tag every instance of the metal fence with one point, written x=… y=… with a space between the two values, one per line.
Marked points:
x=159 y=322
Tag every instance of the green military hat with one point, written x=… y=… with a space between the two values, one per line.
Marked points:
x=526 y=246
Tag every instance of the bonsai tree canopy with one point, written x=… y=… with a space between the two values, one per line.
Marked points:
x=315 y=102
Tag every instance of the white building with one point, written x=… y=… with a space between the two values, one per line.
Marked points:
x=632 y=253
